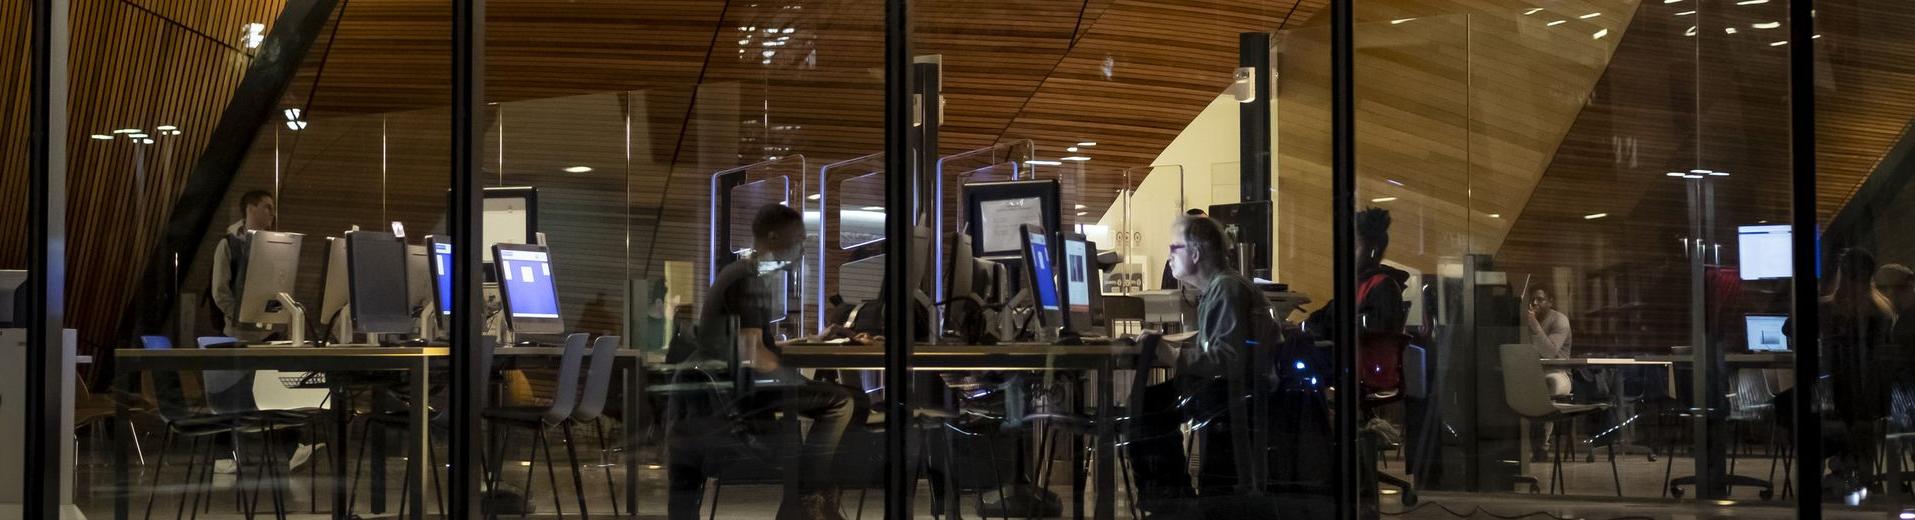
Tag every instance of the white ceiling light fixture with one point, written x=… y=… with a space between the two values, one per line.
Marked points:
x=1599 y=34
x=1686 y=13
x=1087 y=144
x=578 y=169
x=1726 y=30
x=1752 y=2
x=137 y=136
x=292 y=113
x=1496 y=215
x=295 y=125
x=1766 y=25
x=1532 y=10
x=1079 y=206
x=102 y=137
x=146 y=141
x=814 y=196
x=252 y=34
x=1380 y=200
x=1779 y=44
x=1556 y=23
x=127 y=131
x=1078 y=158
x=1718 y=174
x=789 y=30
x=164 y=128
x=872 y=208
x=1070 y=149
x=1676 y=174
x=1594 y=216
x=1400 y=21
x=1393 y=181
x=1590 y=15
x=1690 y=32
x=1035 y=162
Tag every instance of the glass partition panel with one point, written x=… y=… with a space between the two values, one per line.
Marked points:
x=15 y=249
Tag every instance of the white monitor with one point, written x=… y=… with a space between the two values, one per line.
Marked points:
x=1765 y=252
x=1765 y=332
x=272 y=269
x=418 y=277
x=338 y=283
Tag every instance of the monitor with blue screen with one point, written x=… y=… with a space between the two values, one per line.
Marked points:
x=441 y=274
x=525 y=281
x=1040 y=263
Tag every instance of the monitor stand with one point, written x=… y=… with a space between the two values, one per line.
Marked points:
x=296 y=318
x=429 y=322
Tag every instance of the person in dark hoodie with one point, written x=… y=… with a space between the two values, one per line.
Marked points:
x=1379 y=301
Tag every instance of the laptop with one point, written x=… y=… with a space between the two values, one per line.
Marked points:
x=1765 y=332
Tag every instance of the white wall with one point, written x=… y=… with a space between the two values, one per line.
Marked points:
x=1210 y=139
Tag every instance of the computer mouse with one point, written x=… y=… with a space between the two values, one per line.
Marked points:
x=415 y=342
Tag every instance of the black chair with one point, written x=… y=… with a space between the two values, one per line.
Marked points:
x=182 y=421
x=540 y=419
x=590 y=410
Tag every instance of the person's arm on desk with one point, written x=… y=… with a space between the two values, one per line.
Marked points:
x=751 y=346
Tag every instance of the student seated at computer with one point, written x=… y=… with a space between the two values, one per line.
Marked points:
x=741 y=294
x=229 y=263
x=1227 y=311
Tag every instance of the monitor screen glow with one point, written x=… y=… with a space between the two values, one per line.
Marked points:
x=528 y=275
x=1042 y=274
x=1077 y=284
x=442 y=276
x=1765 y=252
x=1765 y=333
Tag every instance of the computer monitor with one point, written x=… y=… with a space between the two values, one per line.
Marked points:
x=995 y=211
x=1079 y=274
x=337 y=293
x=12 y=283
x=510 y=216
x=376 y=263
x=525 y=281
x=418 y=278
x=1039 y=263
x=272 y=269
x=1765 y=332
x=441 y=273
x=1765 y=252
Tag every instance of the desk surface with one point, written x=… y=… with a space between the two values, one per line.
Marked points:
x=1590 y=362
x=967 y=357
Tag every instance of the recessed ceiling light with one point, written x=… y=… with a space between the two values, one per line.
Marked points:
x=1087 y=143
x=1556 y=23
x=1779 y=44
x=127 y=131
x=1676 y=174
x=1531 y=11
x=166 y=127
x=1381 y=200
x=1766 y=25
x=1599 y=34
x=1070 y=149
x=1687 y=13
x=1078 y=158
x=1496 y=215
x=578 y=169
x=1590 y=15
x=1043 y=163
x=814 y=196
x=103 y=137
x=873 y=208
x=1594 y=216
x=1400 y=20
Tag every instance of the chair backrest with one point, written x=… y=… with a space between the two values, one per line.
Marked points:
x=1523 y=386
x=1416 y=384
x=156 y=342
x=227 y=391
x=1751 y=395
x=598 y=380
x=565 y=388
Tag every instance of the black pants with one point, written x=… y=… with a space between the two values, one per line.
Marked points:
x=704 y=446
x=1157 y=444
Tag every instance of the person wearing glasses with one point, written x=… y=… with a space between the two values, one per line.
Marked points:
x=1227 y=310
x=1546 y=330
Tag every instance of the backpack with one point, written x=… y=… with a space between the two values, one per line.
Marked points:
x=1382 y=353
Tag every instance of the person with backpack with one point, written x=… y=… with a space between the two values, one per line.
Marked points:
x=1227 y=325
x=258 y=211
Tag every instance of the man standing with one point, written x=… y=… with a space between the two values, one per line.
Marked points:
x=1547 y=331
x=257 y=213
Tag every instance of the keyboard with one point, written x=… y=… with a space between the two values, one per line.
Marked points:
x=302 y=379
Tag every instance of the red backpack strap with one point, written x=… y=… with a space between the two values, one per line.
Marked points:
x=1363 y=289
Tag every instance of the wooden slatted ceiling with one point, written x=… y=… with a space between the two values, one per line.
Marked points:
x=1460 y=109
x=13 y=125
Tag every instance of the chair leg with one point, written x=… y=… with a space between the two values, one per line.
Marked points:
x=605 y=462
x=531 y=470
x=153 y=491
x=717 y=486
x=578 y=478
x=352 y=488
x=1613 y=472
x=195 y=479
x=137 y=448
x=861 y=493
x=551 y=476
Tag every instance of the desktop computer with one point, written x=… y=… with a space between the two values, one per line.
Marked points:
x=530 y=295
x=376 y=265
x=1082 y=296
x=441 y=275
x=418 y=282
x=334 y=317
x=271 y=270
x=1039 y=266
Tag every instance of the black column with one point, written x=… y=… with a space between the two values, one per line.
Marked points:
x=1343 y=196
x=1253 y=119
x=1805 y=253
x=899 y=483
x=46 y=262
x=468 y=322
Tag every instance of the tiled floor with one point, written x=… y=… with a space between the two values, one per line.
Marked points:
x=1591 y=484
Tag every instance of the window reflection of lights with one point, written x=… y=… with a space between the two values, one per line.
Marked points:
x=1590 y=15
x=771 y=30
x=1676 y=174
x=1532 y=10
x=295 y=125
x=1496 y=215
x=789 y=30
x=1685 y=13
x=814 y=196
x=1380 y=200
x=766 y=62
x=1594 y=216
x=1078 y=158
x=1692 y=176
x=774 y=44
x=746 y=41
x=1815 y=37
x=872 y=208
x=783 y=38
x=1766 y=25
x=292 y=113
x=1779 y=44
x=768 y=54
x=1393 y=181
x=146 y=141
x=103 y=137
x=1082 y=213
x=743 y=28
x=1599 y=34
x=1035 y=162
x=1718 y=174
x=1079 y=206
x=1556 y=23
x=1752 y=2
